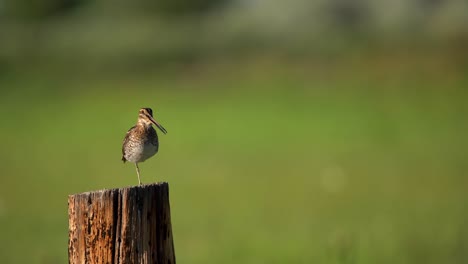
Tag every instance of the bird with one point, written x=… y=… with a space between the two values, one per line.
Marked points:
x=141 y=141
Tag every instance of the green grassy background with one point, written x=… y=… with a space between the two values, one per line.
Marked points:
x=267 y=162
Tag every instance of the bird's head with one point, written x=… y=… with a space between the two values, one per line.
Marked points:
x=145 y=116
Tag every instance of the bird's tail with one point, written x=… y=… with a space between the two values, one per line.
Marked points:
x=123 y=159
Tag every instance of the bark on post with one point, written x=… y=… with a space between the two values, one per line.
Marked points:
x=128 y=225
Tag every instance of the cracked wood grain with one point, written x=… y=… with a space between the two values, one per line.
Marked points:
x=128 y=225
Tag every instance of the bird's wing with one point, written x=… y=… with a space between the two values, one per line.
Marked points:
x=125 y=142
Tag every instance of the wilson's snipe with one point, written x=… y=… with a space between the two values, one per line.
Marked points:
x=141 y=141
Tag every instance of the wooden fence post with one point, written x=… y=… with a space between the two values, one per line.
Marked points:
x=128 y=225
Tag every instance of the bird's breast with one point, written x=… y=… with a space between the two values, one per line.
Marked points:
x=139 y=151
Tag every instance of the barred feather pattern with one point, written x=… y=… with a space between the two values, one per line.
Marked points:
x=140 y=143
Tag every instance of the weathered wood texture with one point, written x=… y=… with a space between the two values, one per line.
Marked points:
x=128 y=225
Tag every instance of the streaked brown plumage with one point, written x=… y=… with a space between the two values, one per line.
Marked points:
x=141 y=141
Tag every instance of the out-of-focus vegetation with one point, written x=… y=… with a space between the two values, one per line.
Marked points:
x=299 y=132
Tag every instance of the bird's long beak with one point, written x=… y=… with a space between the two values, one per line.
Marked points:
x=157 y=124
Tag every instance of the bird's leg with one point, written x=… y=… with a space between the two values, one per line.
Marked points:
x=138 y=173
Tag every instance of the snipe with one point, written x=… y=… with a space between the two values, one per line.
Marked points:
x=141 y=141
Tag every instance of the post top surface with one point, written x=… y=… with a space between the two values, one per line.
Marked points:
x=144 y=186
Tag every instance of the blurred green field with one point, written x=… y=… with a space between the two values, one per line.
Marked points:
x=265 y=165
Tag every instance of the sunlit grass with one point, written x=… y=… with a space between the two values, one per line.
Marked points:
x=266 y=170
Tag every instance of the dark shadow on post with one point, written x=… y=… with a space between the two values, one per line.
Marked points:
x=127 y=225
